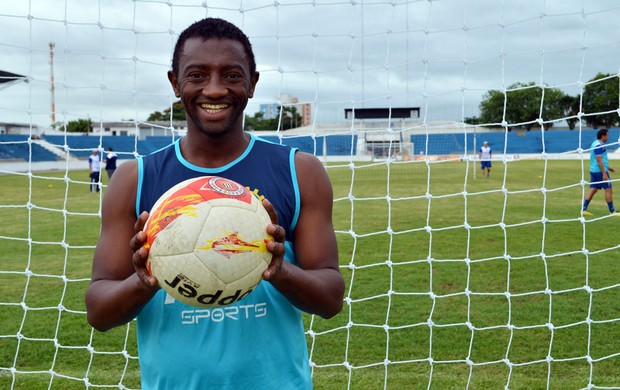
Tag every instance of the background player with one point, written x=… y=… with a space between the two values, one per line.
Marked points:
x=599 y=173
x=485 y=155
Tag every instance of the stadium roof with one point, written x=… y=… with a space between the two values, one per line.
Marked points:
x=7 y=79
x=382 y=113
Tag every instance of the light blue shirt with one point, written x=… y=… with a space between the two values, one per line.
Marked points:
x=255 y=343
x=598 y=149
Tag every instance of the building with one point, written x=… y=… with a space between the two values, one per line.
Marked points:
x=272 y=110
x=383 y=129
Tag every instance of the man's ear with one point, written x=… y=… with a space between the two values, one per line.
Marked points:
x=174 y=82
x=253 y=82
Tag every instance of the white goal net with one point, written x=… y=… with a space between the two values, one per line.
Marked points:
x=454 y=279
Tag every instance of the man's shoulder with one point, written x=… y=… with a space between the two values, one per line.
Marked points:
x=269 y=148
x=598 y=147
x=166 y=150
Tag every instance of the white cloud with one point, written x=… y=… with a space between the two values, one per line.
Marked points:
x=111 y=57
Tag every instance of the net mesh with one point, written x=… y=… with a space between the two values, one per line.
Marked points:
x=453 y=280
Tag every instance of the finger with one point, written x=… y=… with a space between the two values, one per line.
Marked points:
x=277 y=232
x=273 y=267
x=270 y=271
x=140 y=238
x=276 y=247
x=139 y=262
x=137 y=241
x=141 y=221
x=273 y=214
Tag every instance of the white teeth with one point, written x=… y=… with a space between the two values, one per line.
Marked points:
x=214 y=107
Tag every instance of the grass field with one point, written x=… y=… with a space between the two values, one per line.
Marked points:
x=451 y=282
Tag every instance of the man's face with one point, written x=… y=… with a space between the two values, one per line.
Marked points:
x=214 y=84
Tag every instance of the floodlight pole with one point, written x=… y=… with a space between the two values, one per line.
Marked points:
x=52 y=44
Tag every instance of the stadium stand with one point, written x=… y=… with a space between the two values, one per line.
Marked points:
x=512 y=142
x=153 y=143
x=82 y=146
x=17 y=147
x=336 y=145
x=341 y=145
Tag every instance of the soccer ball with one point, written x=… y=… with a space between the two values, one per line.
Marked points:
x=207 y=241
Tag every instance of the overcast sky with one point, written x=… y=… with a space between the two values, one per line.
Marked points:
x=111 y=56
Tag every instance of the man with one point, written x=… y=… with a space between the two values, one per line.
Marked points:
x=94 y=165
x=261 y=344
x=485 y=155
x=599 y=173
x=110 y=162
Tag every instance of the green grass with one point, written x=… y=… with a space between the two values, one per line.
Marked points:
x=444 y=291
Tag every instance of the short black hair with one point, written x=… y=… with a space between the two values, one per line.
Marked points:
x=601 y=133
x=213 y=28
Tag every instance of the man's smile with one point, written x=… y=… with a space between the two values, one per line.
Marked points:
x=214 y=108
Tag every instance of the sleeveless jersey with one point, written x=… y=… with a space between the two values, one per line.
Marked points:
x=256 y=343
x=598 y=149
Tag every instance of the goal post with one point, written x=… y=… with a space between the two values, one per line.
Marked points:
x=451 y=282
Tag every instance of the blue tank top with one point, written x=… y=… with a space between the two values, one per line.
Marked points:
x=598 y=149
x=256 y=343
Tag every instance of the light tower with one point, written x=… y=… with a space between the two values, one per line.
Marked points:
x=52 y=44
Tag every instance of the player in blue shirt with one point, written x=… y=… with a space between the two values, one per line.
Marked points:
x=110 y=162
x=258 y=342
x=599 y=173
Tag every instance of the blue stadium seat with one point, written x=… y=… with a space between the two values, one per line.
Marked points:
x=17 y=148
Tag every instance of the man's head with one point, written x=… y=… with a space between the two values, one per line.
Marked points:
x=602 y=133
x=214 y=75
x=485 y=143
x=213 y=28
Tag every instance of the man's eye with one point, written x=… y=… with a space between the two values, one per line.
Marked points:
x=194 y=76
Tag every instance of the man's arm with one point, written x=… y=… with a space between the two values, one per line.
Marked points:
x=316 y=286
x=116 y=293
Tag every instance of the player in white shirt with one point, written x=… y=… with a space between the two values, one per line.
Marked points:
x=94 y=165
x=485 y=155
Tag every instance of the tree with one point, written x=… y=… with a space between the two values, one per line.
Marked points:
x=601 y=95
x=178 y=113
x=80 y=126
x=289 y=118
x=570 y=105
x=472 y=120
x=258 y=123
x=522 y=105
x=492 y=107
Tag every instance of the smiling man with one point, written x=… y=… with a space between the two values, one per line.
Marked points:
x=259 y=342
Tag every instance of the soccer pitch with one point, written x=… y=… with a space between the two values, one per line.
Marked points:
x=452 y=282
